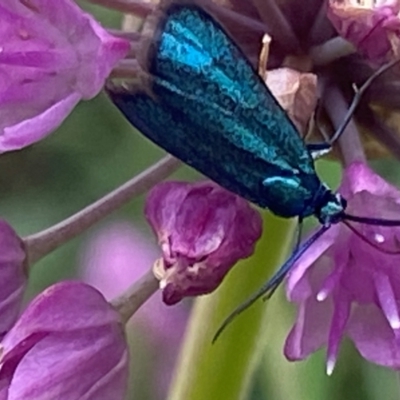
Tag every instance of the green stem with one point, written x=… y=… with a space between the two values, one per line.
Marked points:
x=224 y=370
x=44 y=242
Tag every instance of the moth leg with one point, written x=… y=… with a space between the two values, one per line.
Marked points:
x=318 y=150
x=298 y=234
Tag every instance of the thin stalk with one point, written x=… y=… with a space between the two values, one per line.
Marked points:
x=331 y=50
x=136 y=7
x=135 y=296
x=42 y=243
x=126 y=69
x=349 y=142
x=321 y=30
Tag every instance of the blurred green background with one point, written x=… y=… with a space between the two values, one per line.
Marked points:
x=95 y=151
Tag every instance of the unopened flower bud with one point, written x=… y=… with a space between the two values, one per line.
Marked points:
x=203 y=230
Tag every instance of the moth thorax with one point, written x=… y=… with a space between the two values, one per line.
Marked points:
x=331 y=208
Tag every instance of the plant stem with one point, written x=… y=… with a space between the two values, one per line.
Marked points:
x=126 y=69
x=42 y=243
x=331 y=50
x=320 y=30
x=350 y=141
x=224 y=370
x=135 y=296
x=136 y=7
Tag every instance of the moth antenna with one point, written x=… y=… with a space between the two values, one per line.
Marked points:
x=370 y=242
x=357 y=97
x=269 y=287
x=371 y=221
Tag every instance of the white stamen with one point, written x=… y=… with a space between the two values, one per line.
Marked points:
x=322 y=295
x=394 y=322
x=330 y=366
x=379 y=238
x=387 y=300
x=1 y=356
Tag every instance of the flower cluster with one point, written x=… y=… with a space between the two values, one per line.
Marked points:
x=343 y=286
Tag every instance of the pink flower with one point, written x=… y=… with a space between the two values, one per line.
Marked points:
x=51 y=56
x=203 y=230
x=345 y=286
x=68 y=344
x=113 y=259
x=13 y=276
x=374 y=31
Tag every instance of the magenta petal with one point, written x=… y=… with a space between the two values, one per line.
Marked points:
x=340 y=316
x=67 y=306
x=77 y=339
x=358 y=177
x=83 y=375
x=162 y=205
x=387 y=299
x=32 y=130
x=310 y=331
x=52 y=55
x=373 y=336
x=13 y=276
x=297 y=281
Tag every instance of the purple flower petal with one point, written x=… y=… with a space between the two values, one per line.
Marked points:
x=13 y=276
x=374 y=338
x=312 y=327
x=52 y=55
x=69 y=343
x=339 y=320
x=297 y=282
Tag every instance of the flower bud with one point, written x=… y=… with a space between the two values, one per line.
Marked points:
x=68 y=344
x=203 y=230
